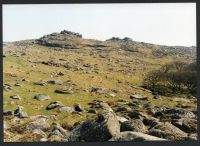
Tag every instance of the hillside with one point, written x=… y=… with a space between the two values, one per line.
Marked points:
x=59 y=85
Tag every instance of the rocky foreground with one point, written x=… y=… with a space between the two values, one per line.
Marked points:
x=151 y=124
x=64 y=88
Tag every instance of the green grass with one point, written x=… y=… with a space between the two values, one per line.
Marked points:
x=23 y=69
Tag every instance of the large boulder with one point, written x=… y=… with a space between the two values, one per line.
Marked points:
x=186 y=124
x=133 y=125
x=168 y=131
x=40 y=123
x=103 y=128
x=135 y=136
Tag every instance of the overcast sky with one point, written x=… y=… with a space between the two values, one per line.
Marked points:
x=165 y=24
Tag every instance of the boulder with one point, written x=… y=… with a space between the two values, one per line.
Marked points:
x=135 y=125
x=137 y=96
x=186 y=124
x=55 y=82
x=66 y=109
x=78 y=108
x=8 y=113
x=54 y=105
x=168 y=131
x=20 y=113
x=7 y=87
x=42 y=97
x=62 y=91
x=103 y=128
x=40 y=123
x=135 y=136
x=15 y=97
x=121 y=119
x=39 y=132
x=41 y=83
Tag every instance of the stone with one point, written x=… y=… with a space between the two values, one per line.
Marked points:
x=103 y=128
x=54 y=105
x=135 y=136
x=168 y=131
x=18 y=84
x=39 y=132
x=42 y=97
x=66 y=109
x=55 y=136
x=156 y=96
x=7 y=87
x=105 y=106
x=20 y=113
x=61 y=74
x=185 y=124
x=40 y=123
x=137 y=96
x=60 y=129
x=8 y=113
x=56 y=82
x=41 y=83
x=135 y=125
x=43 y=140
x=15 y=97
x=78 y=108
x=121 y=119
x=62 y=91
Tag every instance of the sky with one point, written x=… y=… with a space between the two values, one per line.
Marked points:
x=159 y=23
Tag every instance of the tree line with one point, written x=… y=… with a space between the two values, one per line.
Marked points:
x=173 y=78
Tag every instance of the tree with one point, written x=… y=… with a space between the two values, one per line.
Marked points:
x=152 y=79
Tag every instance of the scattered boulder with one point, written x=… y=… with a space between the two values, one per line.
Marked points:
x=54 y=105
x=18 y=84
x=62 y=91
x=7 y=87
x=61 y=74
x=66 y=109
x=41 y=83
x=135 y=136
x=15 y=97
x=137 y=96
x=78 y=108
x=20 y=113
x=55 y=82
x=42 y=97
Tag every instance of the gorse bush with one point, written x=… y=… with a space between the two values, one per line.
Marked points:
x=173 y=78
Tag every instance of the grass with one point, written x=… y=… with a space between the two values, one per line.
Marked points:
x=104 y=78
